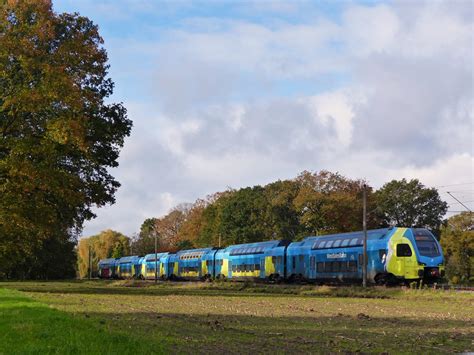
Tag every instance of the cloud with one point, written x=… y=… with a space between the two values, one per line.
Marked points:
x=378 y=92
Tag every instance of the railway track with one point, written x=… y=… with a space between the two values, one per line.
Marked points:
x=452 y=287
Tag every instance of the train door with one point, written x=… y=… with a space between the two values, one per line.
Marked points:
x=406 y=263
x=262 y=267
x=226 y=268
x=312 y=267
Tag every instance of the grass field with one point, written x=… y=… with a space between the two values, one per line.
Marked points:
x=126 y=317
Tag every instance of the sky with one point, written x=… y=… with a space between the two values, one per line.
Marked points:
x=239 y=93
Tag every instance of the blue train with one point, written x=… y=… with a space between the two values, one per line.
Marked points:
x=394 y=255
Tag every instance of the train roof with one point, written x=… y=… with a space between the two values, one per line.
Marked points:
x=152 y=256
x=372 y=234
x=126 y=259
x=253 y=248
x=107 y=261
x=195 y=250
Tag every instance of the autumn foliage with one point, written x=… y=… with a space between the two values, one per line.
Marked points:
x=58 y=132
x=107 y=244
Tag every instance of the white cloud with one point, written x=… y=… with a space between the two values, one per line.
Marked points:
x=382 y=92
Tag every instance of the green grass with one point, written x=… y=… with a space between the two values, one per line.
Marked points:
x=31 y=327
x=121 y=317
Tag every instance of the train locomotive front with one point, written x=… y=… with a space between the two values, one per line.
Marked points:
x=394 y=255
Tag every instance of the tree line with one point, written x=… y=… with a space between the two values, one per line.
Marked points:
x=313 y=203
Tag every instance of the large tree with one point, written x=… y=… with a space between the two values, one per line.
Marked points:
x=59 y=131
x=331 y=203
x=410 y=204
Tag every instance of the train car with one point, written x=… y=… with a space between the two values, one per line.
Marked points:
x=394 y=255
x=193 y=264
x=264 y=260
x=147 y=263
x=128 y=267
x=106 y=268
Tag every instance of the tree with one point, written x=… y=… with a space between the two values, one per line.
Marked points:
x=281 y=211
x=331 y=203
x=144 y=243
x=243 y=218
x=168 y=227
x=457 y=240
x=58 y=133
x=410 y=204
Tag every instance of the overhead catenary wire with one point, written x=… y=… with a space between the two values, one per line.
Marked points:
x=467 y=208
x=457 y=203
x=466 y=183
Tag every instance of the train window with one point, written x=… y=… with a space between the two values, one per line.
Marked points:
x=343 y=266
x=345 y=242
x=337 y=243
x=273 y=259
x=351 y=266
x=336 y=266
x=427 y=245
x=327 y=267
x=252 y=267
x=329 y=243
x=403 y=250
x=312 y=263
x=320 y=267
x=322 y=244
x=353 y=242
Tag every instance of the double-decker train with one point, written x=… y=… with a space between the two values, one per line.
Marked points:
x=394 y=255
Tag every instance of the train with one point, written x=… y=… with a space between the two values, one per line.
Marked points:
x=394 y=255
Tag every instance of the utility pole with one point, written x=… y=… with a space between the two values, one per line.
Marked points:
x=156 y=254
x=364 y=225
x=90 y=262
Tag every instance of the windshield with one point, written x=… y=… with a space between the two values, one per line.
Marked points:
x=427 y=245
